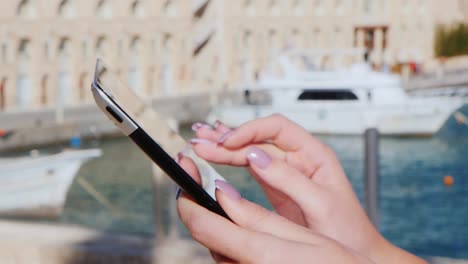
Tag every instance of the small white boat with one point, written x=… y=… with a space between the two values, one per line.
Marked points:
x=38 y=186
x=340 y=101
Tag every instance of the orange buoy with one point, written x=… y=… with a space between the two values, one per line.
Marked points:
x=448 y=180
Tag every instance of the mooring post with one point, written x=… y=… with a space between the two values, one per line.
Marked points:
x=173 y=229
x=158 y=196
x=371 y=180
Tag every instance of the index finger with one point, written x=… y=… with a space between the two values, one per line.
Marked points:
x=276 y=129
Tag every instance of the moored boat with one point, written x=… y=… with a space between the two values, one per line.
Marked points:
x=341 y=101
x=36 y=186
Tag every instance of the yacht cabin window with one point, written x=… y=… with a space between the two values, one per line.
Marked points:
x=327 y=95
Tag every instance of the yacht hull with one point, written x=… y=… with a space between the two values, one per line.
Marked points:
x=37 y=186
x=421 y=119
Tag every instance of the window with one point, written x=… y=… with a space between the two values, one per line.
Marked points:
x=249 y=7
x=84 y=49
x=367 y=6
x=47 y=53
x=167 y=43
x=64 y=76
x=406 y=9
x=138 y=10
x=4 y=53
x=422 y=7
x=327 y=95
x=339 y=7
x=104 y=9
x=319 y=7
x=64 y=49
x=83 y=86
x=274 y=7
x=23 y=79
x=26 y=10
x=134 y=70
x=44 y=95
x=298 y=7
x=24 y=51
x=66 y=10
x=169 y=8
x=101 y=44
x=247 y=39
x=2 y=94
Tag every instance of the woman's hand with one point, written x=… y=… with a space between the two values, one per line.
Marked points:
x=258 y=235
x=301 y=177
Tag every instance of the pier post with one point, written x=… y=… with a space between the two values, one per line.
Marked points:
x=173 y=229
x=158 y=196
x=371 y=180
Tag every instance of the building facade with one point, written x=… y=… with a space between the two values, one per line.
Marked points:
x=170 y=47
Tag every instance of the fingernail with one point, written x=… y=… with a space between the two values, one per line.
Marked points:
x=228 y=189
x=199 y=125
x=258 y=157
x=225 y=136
x=179 y=157
x=179 y=192
x=199 y=141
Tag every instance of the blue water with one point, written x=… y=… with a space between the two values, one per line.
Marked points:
x=418 y=212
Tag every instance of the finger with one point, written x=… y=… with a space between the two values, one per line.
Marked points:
x=212 y=133
x=222 y=236
x=216 y=153
x=254 y=217
x=221 y=127
x=276 y=129
x=220 y=259
x=189 y=166
x=286 y=179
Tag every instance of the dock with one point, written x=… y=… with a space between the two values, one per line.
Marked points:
x=36 y=128
x=25 y=242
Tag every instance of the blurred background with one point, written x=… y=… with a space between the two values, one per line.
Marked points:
x=74 y=190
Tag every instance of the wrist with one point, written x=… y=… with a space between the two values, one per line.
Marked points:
x=383 y=252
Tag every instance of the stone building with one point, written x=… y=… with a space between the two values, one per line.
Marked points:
x=170 y=47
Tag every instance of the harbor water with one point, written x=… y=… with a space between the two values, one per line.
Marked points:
x=418 y=212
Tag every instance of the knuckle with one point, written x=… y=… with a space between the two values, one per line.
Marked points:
x=258 y=219
x=278 y=117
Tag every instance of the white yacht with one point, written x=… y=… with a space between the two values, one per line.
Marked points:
x=340 y=101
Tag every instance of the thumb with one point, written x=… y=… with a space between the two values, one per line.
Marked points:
x=286 y=179
x=256 y=218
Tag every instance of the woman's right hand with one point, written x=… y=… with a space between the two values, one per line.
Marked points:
x=301 y=177
x=257 y=235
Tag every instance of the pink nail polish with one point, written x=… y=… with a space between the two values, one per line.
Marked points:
x=198 y=126
x=225 y=136
x=228 y=189
x=200 y=141
x=258 y=157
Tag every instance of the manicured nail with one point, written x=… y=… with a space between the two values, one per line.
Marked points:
x=198 y=125
x=227 y=189
x=258 y=157
x=225 y=136
x=179 y=192
x=199 y=141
